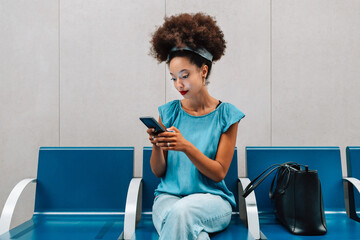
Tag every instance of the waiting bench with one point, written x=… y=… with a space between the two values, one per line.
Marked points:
x=80 y=194
x=324 y=159
x=145 y=228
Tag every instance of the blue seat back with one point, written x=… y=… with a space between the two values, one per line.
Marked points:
x=151 y=182
x=353 y=168
x=83 y=179
x=324 y=159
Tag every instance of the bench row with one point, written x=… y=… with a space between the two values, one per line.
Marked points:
x=90 y=193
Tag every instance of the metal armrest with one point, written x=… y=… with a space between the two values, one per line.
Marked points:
x=248 y=209
x=10 y=204
x=133 y=208
x=349 y=182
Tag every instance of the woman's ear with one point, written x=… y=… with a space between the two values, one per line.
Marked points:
x=204 y=70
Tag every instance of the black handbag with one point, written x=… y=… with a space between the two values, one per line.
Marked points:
x=296 y=194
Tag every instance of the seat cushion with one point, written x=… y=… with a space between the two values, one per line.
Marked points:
x=338 y=224
x=145 y=229
x=56 y=227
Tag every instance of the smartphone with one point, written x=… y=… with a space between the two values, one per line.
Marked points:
x=150 y=122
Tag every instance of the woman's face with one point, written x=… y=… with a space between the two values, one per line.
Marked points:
x=187 y=77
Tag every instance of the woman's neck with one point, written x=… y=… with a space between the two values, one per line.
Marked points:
x=202 y=102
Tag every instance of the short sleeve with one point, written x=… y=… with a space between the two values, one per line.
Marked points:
x=168 y=112
x=230 y=115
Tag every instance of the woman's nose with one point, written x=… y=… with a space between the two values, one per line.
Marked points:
x=179 y=83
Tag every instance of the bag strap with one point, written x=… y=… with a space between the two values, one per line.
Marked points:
x=288 y=167
x=254 y=183
x=280 y=175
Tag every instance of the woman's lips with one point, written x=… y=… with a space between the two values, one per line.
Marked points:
x=183 y=92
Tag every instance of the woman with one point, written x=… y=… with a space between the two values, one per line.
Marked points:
x=193 y=156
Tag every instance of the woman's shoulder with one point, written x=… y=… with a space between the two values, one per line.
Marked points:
x=230 y=114
x=168 y=112
x=230 y=108
x=170 y=106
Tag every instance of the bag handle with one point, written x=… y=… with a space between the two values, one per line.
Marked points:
x=280 y=175
x=254 y=183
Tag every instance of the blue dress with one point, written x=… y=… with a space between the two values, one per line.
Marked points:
x=182 y=177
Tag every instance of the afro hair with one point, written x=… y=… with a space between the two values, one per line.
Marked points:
x=192 y=30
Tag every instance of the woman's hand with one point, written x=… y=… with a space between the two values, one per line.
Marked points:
x=151 y=131
x=171 y=140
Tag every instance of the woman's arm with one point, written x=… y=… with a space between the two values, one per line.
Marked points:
x=213 y=169
x=158 y=156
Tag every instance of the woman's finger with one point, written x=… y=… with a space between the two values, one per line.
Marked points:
x=173 y=129
x=165 y=139
x=166 y=144
x=150 y=131
x=152 y=140
x=166 y=134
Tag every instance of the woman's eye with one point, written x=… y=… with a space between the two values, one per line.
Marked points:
x=185 y=76
x=173 y=79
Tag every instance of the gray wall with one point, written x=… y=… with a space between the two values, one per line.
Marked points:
x=77 y=73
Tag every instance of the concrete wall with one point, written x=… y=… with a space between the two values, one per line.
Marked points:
x=78 y=73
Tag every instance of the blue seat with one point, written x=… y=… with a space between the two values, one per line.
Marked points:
x=324 y=159
x=352 y=182
x=146 y=230
x=80 y=194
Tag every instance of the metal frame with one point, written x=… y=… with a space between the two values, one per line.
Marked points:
x=349 y=184
x=248 y=210
x=10 y=204
x=133 y=208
